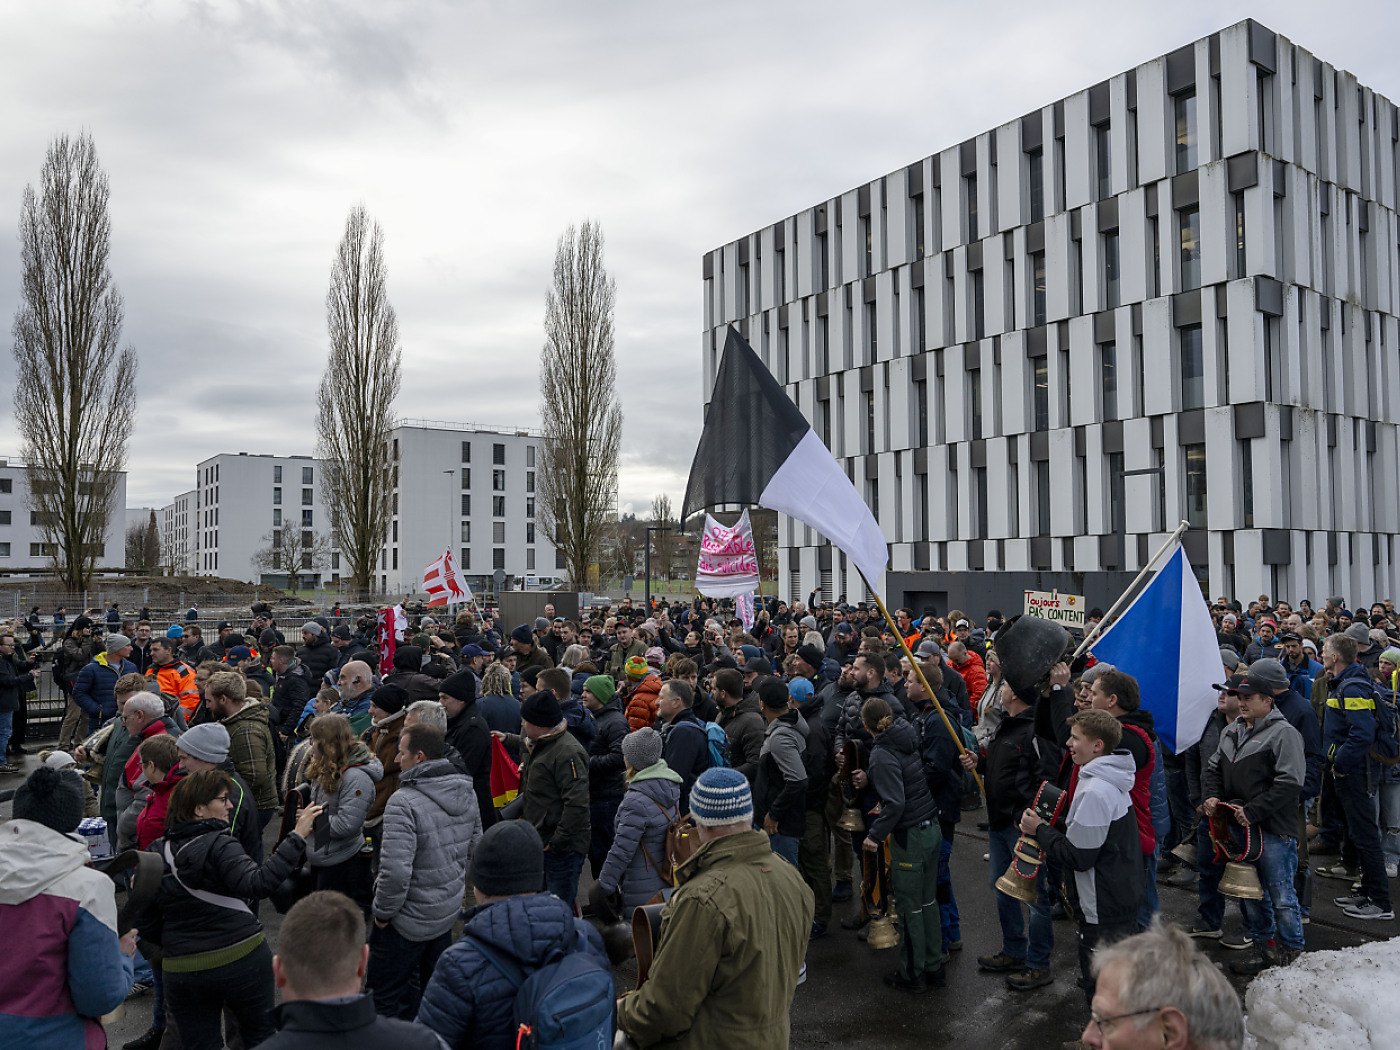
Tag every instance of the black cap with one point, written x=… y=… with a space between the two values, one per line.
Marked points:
x=508 y=860
x=758 y=665
x=542 y=709
x=1233 y=684
x=461 y=685
x=772 y=692
x=342 y=632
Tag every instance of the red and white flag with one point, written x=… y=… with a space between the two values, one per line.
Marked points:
x=443 y=584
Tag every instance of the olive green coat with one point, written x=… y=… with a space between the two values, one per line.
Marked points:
x=731 y=944
x=554 y=787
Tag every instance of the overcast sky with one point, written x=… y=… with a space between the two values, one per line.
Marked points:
x=238 y=135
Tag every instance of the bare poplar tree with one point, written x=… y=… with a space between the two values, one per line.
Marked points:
x=75 y=390
x=356 y=398
x=579 y=409
x=292 y=553
x=663 y=543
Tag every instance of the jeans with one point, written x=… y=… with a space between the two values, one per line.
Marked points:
x=561 y=872
x=813 y=860
x=399 y=970
x=158 y=1000
x=1000 y=845
x=196 y=1001
x=1362 y=844
x=1278 y=911
x=6 y=723
x=947 y=904
x=785 y=846
x=1212 y=907
x=602 y=815
x=1390 y=821
x=914 y=882
x=141 y=969
x=1149 y=906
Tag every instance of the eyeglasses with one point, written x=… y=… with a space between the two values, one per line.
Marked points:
x=1103 y=1022
x=221 y=798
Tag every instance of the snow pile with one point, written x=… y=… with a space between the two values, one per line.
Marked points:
x=1336 y=1000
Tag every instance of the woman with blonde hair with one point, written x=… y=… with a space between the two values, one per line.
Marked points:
x=342 y=773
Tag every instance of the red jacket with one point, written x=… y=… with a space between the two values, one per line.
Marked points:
x=974 y=673
x=641 y=702
x=150 y=825
x=132 y=770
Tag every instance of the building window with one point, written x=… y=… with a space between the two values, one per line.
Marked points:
x=498 y=532
x=529 y=506
x=306 y=475
x=921 y=393
x=979 y=307
x=1108 y=374
x=872 y=333
x=1190 y=219
x=276 y=496
x=529 y=481
x=869 y=397
x=394 y=564
x=1155 y=234
x=1195 y=456
x=918 y=227
x=1042 y=497
x=466 y=451
x=394 y=531
x=529 y=455
x=867 y=247
x=498 y=480
x=464 y=559
x=498 y=558
x=466 y=505
x=970 y=188
x=1040 y=392
x=306 y=519
x=1240 y=268
x=1065 y=404
x=1247 y=482
x=1103 y=159
x=1036 y=177
x=1186 y=152
x=42 y=550
x=974 y=401
x=335 y=559
x=306 y=497
x=498 y=455
x=277 y=475
x=466 y=477
x=1037 y=288
x=277 y=516
x=529 y=532
x=307 y=540
x=498 y=506
x=1110 y=270
x=1193 y=373
x=4 y=517
x=4 y=550
x=466 y=532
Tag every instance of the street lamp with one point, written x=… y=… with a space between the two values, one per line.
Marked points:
x=650 y=530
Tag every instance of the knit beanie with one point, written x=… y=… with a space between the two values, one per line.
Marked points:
x=542 y=709
x=1393 y=655
x=811 y=655
x=408 y=658
x=523 y=635
x=116 y=641
x=655 y=657
x=721 y=796
x=602 y=686
x=642 y=748
x=51 y=797
x=508 y=859
x=636 y=668
x=268 y=638
x=312 y=627
x=207 y=741
x=461 y=685
x=390 y=698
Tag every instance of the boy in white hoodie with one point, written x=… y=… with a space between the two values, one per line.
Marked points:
x=1100 y=843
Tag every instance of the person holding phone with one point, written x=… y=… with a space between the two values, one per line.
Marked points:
x=214 y=954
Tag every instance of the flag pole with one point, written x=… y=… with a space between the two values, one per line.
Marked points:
x=914 y=663
x=1091 y=636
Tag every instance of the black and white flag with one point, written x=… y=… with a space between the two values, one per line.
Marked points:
x=757 y=448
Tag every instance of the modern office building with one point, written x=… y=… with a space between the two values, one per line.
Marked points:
x=471 y=488
x=24 y=546
x=177 y=534
x=1172 y=295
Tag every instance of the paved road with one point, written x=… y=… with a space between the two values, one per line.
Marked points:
x=845 y=1004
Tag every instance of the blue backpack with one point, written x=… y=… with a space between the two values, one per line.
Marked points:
x=719 y=745
x=567 y=1004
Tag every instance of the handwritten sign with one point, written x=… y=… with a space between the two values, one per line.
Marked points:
x=1064 y=609
x=728 y=564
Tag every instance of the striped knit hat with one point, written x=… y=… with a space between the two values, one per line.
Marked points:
x=721 y=796
x=636 y=668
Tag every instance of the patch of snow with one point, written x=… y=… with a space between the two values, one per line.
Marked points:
x=1333 y=1000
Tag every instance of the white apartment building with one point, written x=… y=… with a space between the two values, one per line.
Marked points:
x=177 y=534
x=1172 y=295
x=23 y=546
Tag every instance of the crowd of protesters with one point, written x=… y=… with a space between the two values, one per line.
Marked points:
x=625 y=723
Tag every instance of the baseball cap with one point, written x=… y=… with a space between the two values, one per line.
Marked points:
x=1231 y=684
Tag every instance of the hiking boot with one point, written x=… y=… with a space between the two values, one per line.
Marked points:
x=1200 y=929
x=1338 y=871
x=953 y=946
x=1286 y=956
x=937 y=978
x=1237 y=941
x=916 y=984
x=1355 y=900
x=148 y=1040
x=1027 y=980
x=7 y=768
x=1255 y=962
x=842 y=891
x=1000 y=963
x=1369 y=910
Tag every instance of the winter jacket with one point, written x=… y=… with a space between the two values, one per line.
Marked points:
x=1138 y=739
x=1349 y=724
x=318 y=656
x=733 y=937
x=1299 y=713
x=116 y=750
x=607 y=769
x=641 y=702
x=850 y=727
x=346 y=807
x=309 y=1024
x=743 y=729
x=65 y=967
x=75 y=654
x=686 y=749
x=1265 y=772
x=469 y=1003
x=419 y=686
x=554 y=787
x=251 y=748
x=1198 y=754
x=15 y=681
x=1257 y=650
x=382 y=738
x=652 y=802
x=938 y=755
x=1300 y=677
x=93 y=689
x=291 y=691
x=468 y=732
x=174 y=679
x=1100 y=843
x=1011 y=770
x=431 y=826
x=150 y=825
x=502 y=713
x=897 y=775
x=974 y=674
x=780 y=790
x=208 y=858
x=618 y=656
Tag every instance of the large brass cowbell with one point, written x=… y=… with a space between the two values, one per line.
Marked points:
x=850 y=819
x=1241 y=881
x=1013 y=884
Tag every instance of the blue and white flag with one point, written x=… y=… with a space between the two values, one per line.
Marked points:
x=1166 y=640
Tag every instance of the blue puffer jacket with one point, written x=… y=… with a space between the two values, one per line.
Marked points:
x=468 y=1002
x=642 y=818
x=94 y=688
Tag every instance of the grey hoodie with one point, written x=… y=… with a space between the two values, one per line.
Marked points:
x=347 y=809
x=431 y=825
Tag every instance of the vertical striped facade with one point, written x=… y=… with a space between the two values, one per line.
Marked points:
x=1172 y=295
